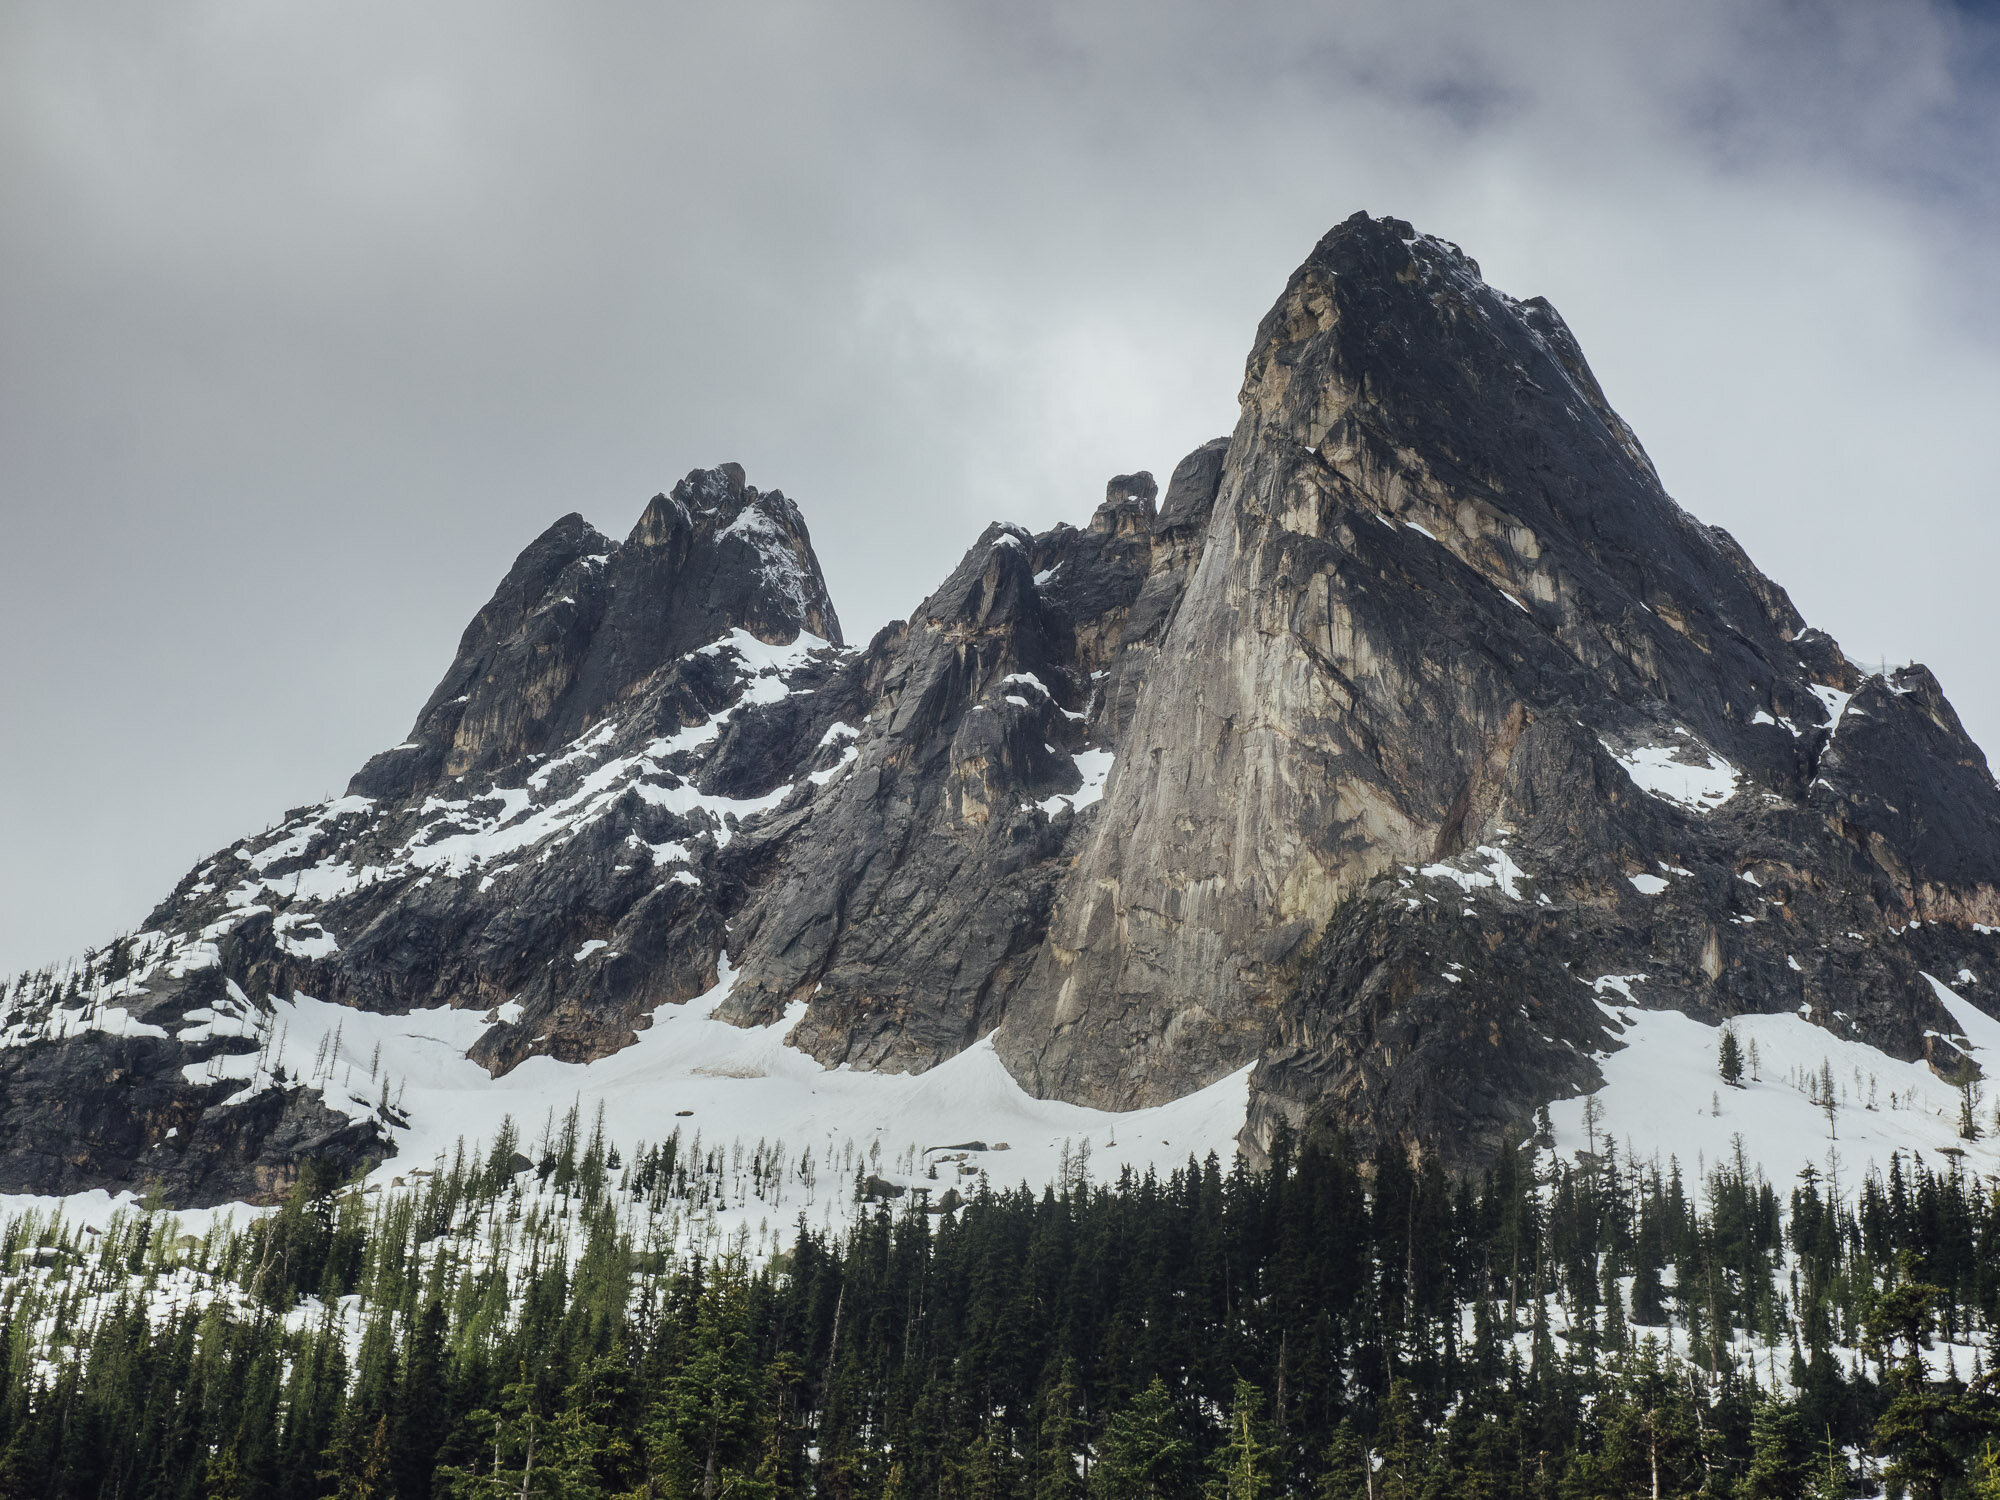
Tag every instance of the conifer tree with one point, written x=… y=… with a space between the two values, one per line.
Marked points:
x=511 y=1443
x=1060 y=1438
x=1829 y=1478
x=1241 y=1468
x=1985 y=1475
x=1347 y=1472
x=1777 y=1468
x=1143 y=1455
x=1729 y=1058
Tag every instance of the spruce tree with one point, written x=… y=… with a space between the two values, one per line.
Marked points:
x=1060 y=1438
x=1985 y=1475
x=1777 y=1469
x=1241 y=1468
x=1829 y=1479
x=1346 y=1473
x=1729 y=1058
x=1143 y=1455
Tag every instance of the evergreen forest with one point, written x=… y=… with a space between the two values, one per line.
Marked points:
x=1336 y=1327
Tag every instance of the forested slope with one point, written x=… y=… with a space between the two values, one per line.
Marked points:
x=1332 y=1327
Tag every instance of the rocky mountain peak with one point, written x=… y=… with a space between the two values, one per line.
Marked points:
x=1454 y=670
x=1390 y=765
x=581 y=623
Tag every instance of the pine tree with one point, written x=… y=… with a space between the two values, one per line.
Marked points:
x=990 y=1470
x=1777 y=1468
x=1241 y=1468
x=1060 y=1438
x=700 y=1436
x=1985 y=1476
x=1729 y=1059
x=357 y=1463
x=1143 y=1455
x=1346 y=1474
x=1829 y=1478
x=511 y=1442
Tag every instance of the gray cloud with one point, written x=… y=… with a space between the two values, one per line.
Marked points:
x=314 y=315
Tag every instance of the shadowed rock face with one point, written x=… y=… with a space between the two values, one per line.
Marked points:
x=913 y=901
x=1412 y=709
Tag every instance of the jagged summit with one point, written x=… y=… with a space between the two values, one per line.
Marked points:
x=580 y=623
x=614 y=714
x=1457 y=683
x=1413 y=754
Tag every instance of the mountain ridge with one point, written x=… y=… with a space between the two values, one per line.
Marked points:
x=1411 y=715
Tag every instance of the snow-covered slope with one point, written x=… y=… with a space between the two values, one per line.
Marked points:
x=1808 y=1098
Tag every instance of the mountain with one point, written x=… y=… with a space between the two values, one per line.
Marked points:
x=1397 y=767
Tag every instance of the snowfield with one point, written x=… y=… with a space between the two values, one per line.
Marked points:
x=728 y=1086
x=1663 y=1098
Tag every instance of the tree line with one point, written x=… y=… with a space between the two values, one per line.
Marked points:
x=1336 y=1327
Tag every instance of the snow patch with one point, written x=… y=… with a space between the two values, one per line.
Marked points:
x=1489 y=867
x=1835 y=702
x=1688 y=774
x=1662 y=1097
x=1094 y=766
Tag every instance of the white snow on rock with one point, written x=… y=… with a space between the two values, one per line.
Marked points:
x=1094 y=766
x=689 y=1072
x=1647 y=885
x=1835 y=702
x=778 y=562
x=760 y=657
x=1486 y=867
x=1029 y=679
x=483 y=833
x=847 y=758
x=740 y=1084
x=1684 y=772
x=294 y=937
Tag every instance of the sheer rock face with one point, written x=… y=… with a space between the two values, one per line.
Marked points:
x=909 y=905
x=1408 y=740
x=1442 y=607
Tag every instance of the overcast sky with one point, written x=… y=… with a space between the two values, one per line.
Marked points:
x=313 y=314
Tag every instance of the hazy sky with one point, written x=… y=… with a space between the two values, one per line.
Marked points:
x=313 y=314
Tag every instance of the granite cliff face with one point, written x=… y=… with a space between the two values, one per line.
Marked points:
x=1409 y=740
x=1459 y=706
